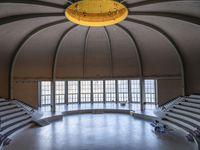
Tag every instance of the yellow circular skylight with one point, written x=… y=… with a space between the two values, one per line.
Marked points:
x=96 y=12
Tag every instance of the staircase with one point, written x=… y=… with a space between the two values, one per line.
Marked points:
x=13 y=118
x=183 y=114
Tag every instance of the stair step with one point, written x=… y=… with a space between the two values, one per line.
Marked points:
x=7 y=107
x=192 y=100
x=16 y=127
x=190 y=104
x=195 y=96
x=14 y=123
x=188 y=120
x=195 y=110
x=4 y=103
x=19 y=129
x=181 y=127
x=2 y=100
x=186 y=113
x=174 y=126
x=189 y=127
x=13 y=115
x=7 y=112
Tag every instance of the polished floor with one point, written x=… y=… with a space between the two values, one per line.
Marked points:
x=46 y=110
x=98 y=132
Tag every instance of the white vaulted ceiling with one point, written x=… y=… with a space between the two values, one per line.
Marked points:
x=159 y=38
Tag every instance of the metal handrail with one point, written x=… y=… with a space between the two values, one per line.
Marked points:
x=29 y=109
x=27 y=105
x=169 y=101
x=162 y=110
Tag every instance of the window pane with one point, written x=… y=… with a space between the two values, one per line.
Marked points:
x=135 y=90
x=98 y=91
x=85 y=91
x=123 y=90
x=72 y=91
x=45 y=92
x=150 y=91
x=60 y=92
x=110 y=90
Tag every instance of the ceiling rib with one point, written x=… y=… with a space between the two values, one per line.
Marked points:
x=85 y=51
x=32 y=2
x=21 y=45
x=149 y=2
x=58 y=48
x=182 y=17
x=171 y=40
x=10 y=19
x=110 y=50
x=138 y=54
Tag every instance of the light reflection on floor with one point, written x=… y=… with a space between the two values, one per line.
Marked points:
x=98 y=132
x=46 y=110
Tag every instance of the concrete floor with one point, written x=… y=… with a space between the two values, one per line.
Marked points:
x=97 y=132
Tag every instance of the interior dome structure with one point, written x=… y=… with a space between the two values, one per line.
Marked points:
x=158 y=39
x=60 y=55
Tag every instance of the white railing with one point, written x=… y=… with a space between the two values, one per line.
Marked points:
x=24 y=106
x=172 y=103
x=163 y=109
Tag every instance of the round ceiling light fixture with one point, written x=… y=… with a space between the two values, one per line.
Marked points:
x=96 y=12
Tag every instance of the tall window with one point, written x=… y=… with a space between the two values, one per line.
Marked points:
x=123 y=90
x=72 y=91
x=110 y=90
x=45 y=92
x=82 y=92
x=60 y=92
x=150 y=91
x=98 y=91
x=85 y=91
x=135 y=90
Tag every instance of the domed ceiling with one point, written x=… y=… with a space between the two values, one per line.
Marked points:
x=159 y=38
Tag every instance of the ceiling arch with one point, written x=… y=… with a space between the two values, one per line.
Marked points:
x=70 y=58
x=169 y=38
x=28 y=37
x=139 y=59
x=85 y=51
x=110 y=50
x=58 y=47
x=124 y=53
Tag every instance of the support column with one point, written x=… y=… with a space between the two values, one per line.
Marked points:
x=91 y=93
x=104 y=91
x=116 y=89
x=79 y=92
x=66 y=92
x=129 y=92
x=39 y=94
x=142 y=94
x=156 y=92
x=53 y=96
